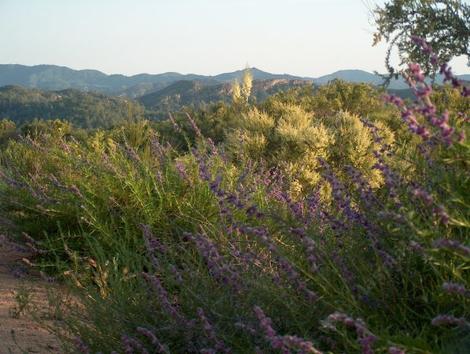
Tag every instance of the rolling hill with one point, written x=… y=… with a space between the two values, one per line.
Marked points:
x=83 y=109
x=197 y=93
x=52 y=77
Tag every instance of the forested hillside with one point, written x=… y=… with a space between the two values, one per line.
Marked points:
x=82 y=109
x=94 y=110
x=196 y=94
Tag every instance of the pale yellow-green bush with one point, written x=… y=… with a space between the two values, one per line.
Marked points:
x=354 y=145
x=294 y=140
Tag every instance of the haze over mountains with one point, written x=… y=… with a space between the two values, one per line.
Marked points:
x=90 y=98
x=52 y=77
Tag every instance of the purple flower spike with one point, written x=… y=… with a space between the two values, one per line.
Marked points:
x=365 y=338
x=194 y=125
x=81 y=346
x=452 y=245
x=449 y=320
x=181 y=169
x=129 y=345
x=283 y=343
x=165 y=301
x=157 y=345
x=395 y=350
x=456 y=289
x=211 y=334
x=175 y=125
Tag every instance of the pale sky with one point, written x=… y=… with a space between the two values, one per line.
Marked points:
x=299 y=37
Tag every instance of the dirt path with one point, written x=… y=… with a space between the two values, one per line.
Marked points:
x=28 y=336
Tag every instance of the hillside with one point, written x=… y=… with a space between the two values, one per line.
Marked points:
x=361 y=76
x=96 y=110
x=52 y=77
x=83 y=109
x=199 y=93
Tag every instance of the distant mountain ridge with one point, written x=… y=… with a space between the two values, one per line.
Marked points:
x=53 y=77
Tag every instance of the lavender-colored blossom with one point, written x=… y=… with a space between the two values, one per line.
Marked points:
x=211 y=334
x=283 y=263
x=442 y=214
x=217 y=265
x=213 y=149
x=164 y=300
x=157 y=345
x=81 y=346
x=416 y=72
x=247 y=328
x=423 y=195
x=422 y=91
x=76 y=191
x=47 y=278
x=416 y=247
x=194 y=125
x=132 y=154
x=395 y=350
x=175 y=125
x=311 y=249
x=283 y=343
x=444 y=68
x=152 y=245
x=366 y=338
x=266 y=325
x=129 y=345
x=366 y=193
x=449 y=320
x=456 y=289
x=452 y=245
x=181 y=169
x=176 y=273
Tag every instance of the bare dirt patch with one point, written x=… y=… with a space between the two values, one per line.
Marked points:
x=19 y=332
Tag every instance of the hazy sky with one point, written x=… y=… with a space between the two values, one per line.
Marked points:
x=301 y=37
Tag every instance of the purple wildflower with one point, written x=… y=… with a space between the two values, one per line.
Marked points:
x=456 y=289
x=181 y=169
x=211 y=334
x=284 y=343
x=452 y=245
x=365 y=337
x=449 y=320
x=157 y=345
x=175 y=125
x=152 y=244
x=416 y=247
x=81 y=346
x=216 y=264
x=47 y=278
x=283 y=263
x=129 y=345
x=164 y=300
x=423 y=195
x=194 y=125
x=423 y=105
x=442 y=214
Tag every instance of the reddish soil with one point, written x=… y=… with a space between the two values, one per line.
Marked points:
x=20 y=333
